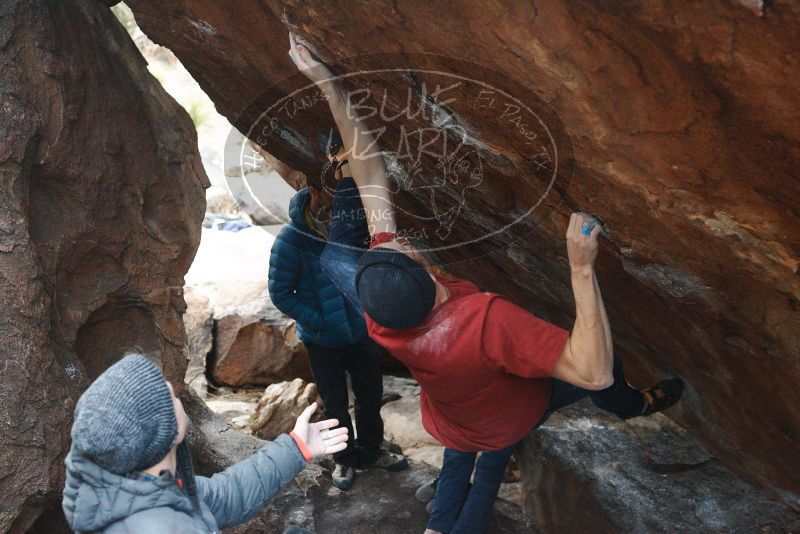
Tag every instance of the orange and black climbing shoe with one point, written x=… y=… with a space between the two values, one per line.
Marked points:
x=661 y=396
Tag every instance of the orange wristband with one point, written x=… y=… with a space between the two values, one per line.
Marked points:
x=302 y=446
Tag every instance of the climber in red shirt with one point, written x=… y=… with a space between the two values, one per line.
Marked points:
x=489 y=371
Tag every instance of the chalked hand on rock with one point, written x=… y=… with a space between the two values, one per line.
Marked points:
x=588 y=226
x=314 y=70
x=582 y=244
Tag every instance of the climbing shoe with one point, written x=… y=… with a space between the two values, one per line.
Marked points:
x=662 y=396
x=343 y=476
x=388 y=461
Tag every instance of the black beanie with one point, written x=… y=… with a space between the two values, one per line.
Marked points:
x=396 y=291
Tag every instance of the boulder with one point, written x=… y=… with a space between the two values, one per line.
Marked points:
x=296 y=179
x=402 y=422
x=674 y=123
x=250 y=194
x=215 y=444
x=280 y=406
x=587 y=471
x=235 y=407
x=219 y=200
x=253 y=351
x=101 y=199
x=252 y=342
x=398 y=387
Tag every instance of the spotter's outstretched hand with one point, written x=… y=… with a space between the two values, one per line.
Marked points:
x=320 y=438
x=314 y=70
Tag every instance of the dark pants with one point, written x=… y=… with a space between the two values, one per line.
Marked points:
x=459 y=509
x=363 y=362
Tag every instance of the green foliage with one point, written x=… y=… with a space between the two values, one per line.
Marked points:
x=198 y=111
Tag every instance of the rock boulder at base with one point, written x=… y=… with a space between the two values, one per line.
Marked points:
x=252 y=342
x=251 y=350
x=586 y=470
x=101 y=201
x=402 y=423
x=279 y=407
x=676 y=123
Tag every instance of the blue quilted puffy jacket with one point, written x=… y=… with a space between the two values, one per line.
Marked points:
x=300 y=289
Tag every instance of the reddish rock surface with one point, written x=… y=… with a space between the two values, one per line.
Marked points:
x=677 y=125
x=280 y=406
x=252 y=351
x=101 y=201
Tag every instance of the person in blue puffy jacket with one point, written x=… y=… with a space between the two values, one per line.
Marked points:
x=332 y=328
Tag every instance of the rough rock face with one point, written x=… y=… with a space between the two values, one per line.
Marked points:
x=402 y=423
x=235 y=407
x=587 y=471
x=101 y=200
x=252 y=351
x=280 y=406
x=675 y=123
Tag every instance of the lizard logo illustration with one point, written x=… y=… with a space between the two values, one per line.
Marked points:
x=444 y=136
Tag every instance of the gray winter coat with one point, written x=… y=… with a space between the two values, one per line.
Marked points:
x=98 y=501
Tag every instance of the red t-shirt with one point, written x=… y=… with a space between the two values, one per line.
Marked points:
x=482 y=364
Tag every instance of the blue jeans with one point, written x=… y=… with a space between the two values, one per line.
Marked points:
x=459 y=509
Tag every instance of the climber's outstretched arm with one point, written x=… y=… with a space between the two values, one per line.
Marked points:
x=363 y=154
x=587 y=360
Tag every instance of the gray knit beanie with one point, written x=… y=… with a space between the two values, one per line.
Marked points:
x=125 y=420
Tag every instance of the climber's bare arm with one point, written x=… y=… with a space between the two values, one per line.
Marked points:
x=363 y=154
x=587 y=360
